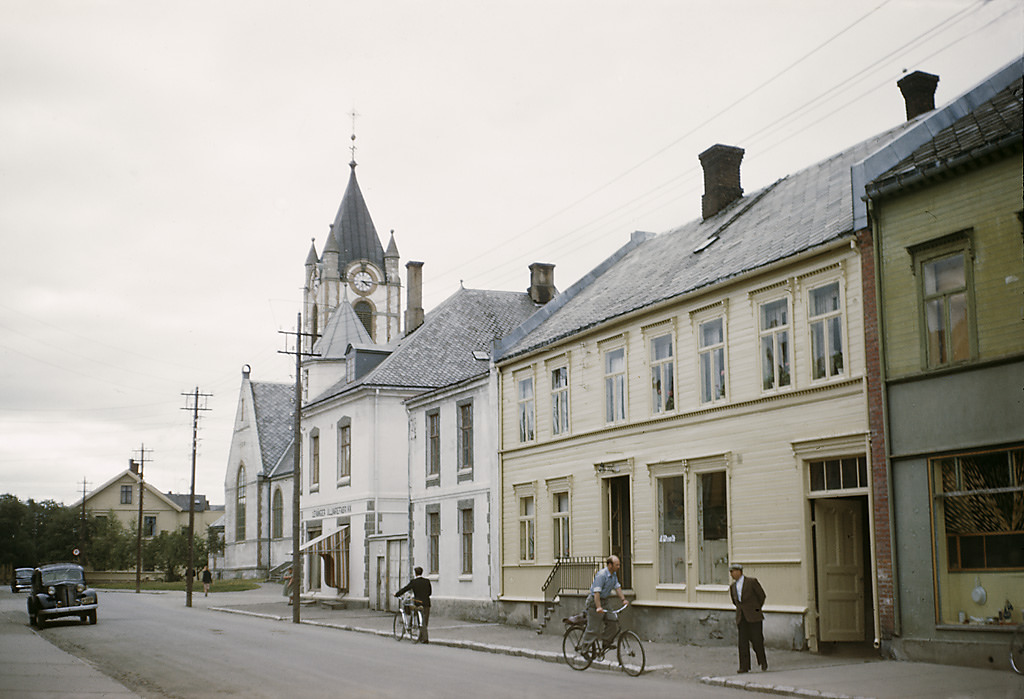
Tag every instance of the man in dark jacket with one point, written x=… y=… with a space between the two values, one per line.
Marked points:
x=420 y=587
x=748 y=597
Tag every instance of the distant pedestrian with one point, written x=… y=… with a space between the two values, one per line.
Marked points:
x=207 y=579
x=287 y=589
x=748 y=597
x=421 y=592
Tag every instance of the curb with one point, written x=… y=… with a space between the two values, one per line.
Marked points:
x=782 y=690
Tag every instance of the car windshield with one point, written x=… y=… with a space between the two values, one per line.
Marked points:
x=56 y=575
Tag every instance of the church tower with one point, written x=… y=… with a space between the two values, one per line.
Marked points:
x=354 y=269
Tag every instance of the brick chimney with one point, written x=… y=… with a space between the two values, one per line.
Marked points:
x=918 y=90
x=542 y=282
x=414 y=307
x=721 y=178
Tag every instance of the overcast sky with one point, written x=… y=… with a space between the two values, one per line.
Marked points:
x=164 y=167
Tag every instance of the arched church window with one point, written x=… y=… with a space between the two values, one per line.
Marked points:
x=240 y=504
x=316 y=323
x=364 y=312
x=278 y=515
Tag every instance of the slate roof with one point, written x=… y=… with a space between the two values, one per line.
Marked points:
x=273 y=403
x=997 y=123
x=441 y=351
x=181 y=500
x=798 y=213
x=353 y=228
x=343 y=328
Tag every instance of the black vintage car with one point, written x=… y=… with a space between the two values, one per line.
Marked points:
x=60 y=590
x=22 y=579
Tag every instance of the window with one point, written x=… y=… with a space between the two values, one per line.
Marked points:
x=240 y=504
x=149 y=525
x=364 y=312
x=560 y=400
x=774 y=329
x=826 y=320
x=839 y=474
x=277 y=515
x=527 y=528
x=711 y=354
x=465 y=435
x=434 y=445
x=466 y=539
x=663 y=395
x=433 y=541
x=671 y=531
x=126 y=494
x=314 y=460
x=526 y=416
x=344 y=449
x=615 y=384
x=713 y=525
x=560 y=524
x=944 y=293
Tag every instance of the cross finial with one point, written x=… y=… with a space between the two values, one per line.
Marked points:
x=352 y=148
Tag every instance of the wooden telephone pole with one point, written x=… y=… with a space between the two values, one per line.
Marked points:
x=195 y=408
x=141 y=465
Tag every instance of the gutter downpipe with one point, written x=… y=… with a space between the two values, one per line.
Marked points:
x=501 y=475
x=376 y=466
x=410 y=426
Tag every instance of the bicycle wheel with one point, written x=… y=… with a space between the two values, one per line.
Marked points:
x=399 y=626
x=575 y=656
x=630 y=653
x=415 y=622
x=1017 y=650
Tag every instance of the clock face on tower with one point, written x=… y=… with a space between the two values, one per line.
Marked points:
x=362 y=281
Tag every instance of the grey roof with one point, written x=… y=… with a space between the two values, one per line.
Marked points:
x=798 y=213
x=353 y=228
x=441 y=351
x=343 y=328
x=274 y=406
x=995 y=124
x=181 y=500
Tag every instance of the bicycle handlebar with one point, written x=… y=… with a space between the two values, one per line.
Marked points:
x=615 y=611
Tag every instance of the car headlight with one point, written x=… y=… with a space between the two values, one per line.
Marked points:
x=51 y=590
x=79 y=588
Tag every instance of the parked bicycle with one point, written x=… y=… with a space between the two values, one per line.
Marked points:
x=1017 y=650
x=629 y=651
x=408 y=619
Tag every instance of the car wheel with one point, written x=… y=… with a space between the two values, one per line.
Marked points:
x=92 y=617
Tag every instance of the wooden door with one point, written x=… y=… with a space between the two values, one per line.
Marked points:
x=840 y=567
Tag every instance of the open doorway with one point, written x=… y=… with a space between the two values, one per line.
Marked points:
x=619 y=518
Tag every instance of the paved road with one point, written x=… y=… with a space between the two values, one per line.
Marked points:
x=156 y=647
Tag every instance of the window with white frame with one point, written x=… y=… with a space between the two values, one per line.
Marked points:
x=711 y=358
x=775 y=345
x=126 y=494
x=713 y=527
x=672 y=530
x=527 y=528
x=314 y=460
x=526 y=409
x=615 y=384
x=560 y=524
x=464 y=425
x=947 y=321
x=466 y=538
x=433 y=455
x=433 y=540
x=663 y=395
x=826 y=325
x=344 y=449
x=560 y=400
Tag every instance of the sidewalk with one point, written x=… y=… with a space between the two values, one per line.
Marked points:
x=791 y=673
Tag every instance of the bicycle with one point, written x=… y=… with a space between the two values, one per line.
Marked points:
x=408 y=619
x=1017 y=650
x=629 y=651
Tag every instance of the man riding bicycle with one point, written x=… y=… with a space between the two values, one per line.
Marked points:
x=605 y=582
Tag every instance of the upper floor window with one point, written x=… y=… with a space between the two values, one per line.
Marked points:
x=826 y=324
x=663 y=395
x=277 y=515
x=344 y=449
x=240 y=504
x=526 y=414
x=711 y=354
x=465 y=435
x=126 y=494
x=944 y=294
x=775 y=347
x=314 y=460
x=364 y=312
x=433 y=445
x=615 y=384
x=560 y=400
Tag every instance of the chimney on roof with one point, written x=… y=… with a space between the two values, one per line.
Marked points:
x=133 y=466
x=721 y=178
x=542 y=282
x=918 y=90
x=414 y=307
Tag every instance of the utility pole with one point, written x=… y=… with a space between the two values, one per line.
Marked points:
x=141 y=465
x=297 y=462
x=81 y=529
x=195 y=408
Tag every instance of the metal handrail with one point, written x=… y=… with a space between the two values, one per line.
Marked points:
x=571 y=573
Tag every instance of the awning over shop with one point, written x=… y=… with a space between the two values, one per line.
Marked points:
x=332 y=549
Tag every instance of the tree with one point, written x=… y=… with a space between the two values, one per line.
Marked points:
x=111 y=545
x=168 y=551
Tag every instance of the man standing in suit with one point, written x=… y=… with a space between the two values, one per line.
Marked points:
x=748 y=597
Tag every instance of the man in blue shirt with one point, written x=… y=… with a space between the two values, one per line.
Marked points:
x=605 y=583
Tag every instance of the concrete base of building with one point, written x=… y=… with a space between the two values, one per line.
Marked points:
x=992 y=654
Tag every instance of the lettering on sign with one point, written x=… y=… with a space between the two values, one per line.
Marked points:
x=332 y=511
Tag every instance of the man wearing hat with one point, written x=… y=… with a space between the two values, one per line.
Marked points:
x=748 y=597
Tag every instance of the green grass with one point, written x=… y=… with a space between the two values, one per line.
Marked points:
x=234 y=585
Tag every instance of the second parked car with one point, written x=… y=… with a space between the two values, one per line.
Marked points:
x=22 y=579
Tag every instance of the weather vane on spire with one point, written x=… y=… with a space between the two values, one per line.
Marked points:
x=353 y=114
